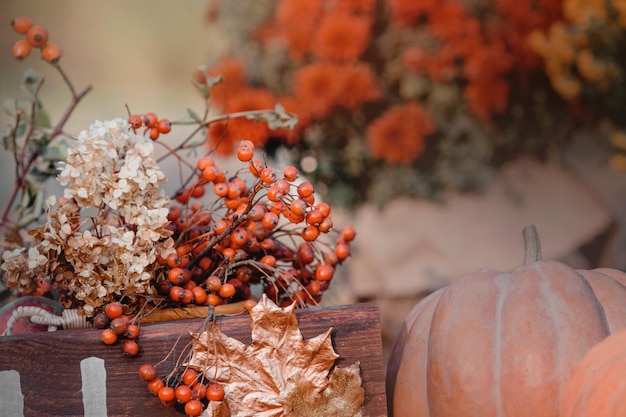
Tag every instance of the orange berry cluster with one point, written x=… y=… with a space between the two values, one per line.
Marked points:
x=36 y=37
x=154 y=126
x=117 y=326
x=268 y=234
x=187 y=390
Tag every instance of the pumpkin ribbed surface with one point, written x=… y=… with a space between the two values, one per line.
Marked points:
x=495 y=344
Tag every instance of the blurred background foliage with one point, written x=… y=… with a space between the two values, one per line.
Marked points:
x=404 y=98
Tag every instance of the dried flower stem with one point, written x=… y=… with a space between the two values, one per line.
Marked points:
x=22 y=166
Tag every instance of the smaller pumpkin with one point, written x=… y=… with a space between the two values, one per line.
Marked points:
x=598 y=387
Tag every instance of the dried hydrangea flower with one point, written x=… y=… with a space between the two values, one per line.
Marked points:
x=103 y=237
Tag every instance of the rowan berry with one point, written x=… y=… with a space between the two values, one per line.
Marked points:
x=130 y=348
x=37 y=36
x=135 y=121
x=177 y=293
x=342 y=251
x=51 y=53
x=153 y=133
x=305 y=253
x=268 y=260
x=176 y=275
x=21 y=49
x=220 y=189
x=234 y=191
x=227 y=290
x=215 y=392
x=257 y=212
x=229 y=254
x=310 y=233
x=314 y=288
x=255 y=167
x=269 y=220
x=290 y=173
x=268 y=175
x=213 y=300
x=326 y=225
x=205 y=162
x=167 y=394
x=147 y=372
x=324 y=208
x=198 y=391
x=22 y=24
x=193 y=408
x=245 y=150
x=295 y=218
x=150 y=119
x=274 y=193
x=155 y=385
x=239 y=236
x=348 y=233
x=132 y=331
x=189 y=377
x=197 y=191
x=113 y=310
x=199 y=295
x=183 y=393
x=118 y=326
x=305 y=189
x=164 y=126
x=187 y=296
x=101 y=321
x=314 y=217
x=298 y=207
x=108 y=336
x=324 y=272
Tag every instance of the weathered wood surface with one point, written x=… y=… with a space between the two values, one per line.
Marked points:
x=49 y=363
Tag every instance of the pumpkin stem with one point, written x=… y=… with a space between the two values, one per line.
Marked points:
x=532 y=244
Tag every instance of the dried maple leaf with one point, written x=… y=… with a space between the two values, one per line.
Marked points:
x=279 y=373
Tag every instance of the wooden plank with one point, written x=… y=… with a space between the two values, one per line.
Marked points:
x=49 y=363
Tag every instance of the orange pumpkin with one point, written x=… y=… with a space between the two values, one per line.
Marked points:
x=598 y=387
x=502 y=344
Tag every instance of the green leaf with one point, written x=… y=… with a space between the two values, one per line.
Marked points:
x=195 y=116
x=42 y=119
x=55 y=153
x=30 y=80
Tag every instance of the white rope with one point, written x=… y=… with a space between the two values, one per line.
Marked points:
x=70 y=319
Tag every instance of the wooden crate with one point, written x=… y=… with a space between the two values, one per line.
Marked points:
x=46 y=367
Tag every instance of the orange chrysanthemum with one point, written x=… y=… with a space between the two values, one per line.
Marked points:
x=408 y=12
x=486 y=97
x=355 y=6
x=341 y=37
x=296 y=20
x=234 y=79
x=318 y=87
x=397 y=137
x=359 y=85
x=226 y=135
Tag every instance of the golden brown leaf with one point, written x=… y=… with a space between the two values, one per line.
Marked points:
x=278 y=369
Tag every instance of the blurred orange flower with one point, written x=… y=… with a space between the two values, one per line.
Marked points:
x=295 y=21
x=225 y=136
x=234 y=79
x=341 y=36
x=318 y=87
x=398 y=135
x=355 y=6
x=360 y=85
